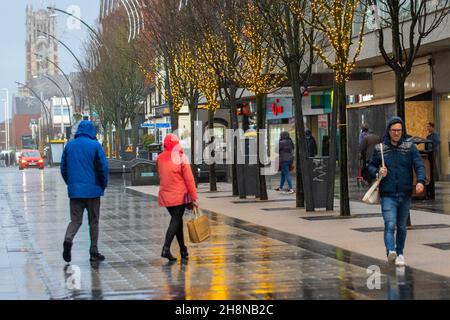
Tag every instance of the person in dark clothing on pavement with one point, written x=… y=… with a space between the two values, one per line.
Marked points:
x=311 y=143
x=367 y=146
x=401 y=157
x=363 y=133
x=286 y=159
x=85 y=171
x=434 y=147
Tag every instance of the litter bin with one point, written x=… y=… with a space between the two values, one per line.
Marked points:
x=319 y=171
x=248 y=178
x=154 y=149
x=143 y=172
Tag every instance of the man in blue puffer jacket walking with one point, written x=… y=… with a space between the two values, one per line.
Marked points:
x=401 y=157
x=85 y=170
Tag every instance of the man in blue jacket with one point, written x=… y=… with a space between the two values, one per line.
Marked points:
x=85 y=170
x=401 y=157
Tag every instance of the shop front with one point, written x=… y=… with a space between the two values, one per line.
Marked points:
x=316 y=107
x=444 y=133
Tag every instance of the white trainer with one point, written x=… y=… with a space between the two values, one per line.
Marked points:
x=392 y=256
x=400 y=261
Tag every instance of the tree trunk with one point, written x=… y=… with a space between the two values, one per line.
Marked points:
x=212 y=167
x=135 y=130
x=304 y=197
x=117 y=144
x=193 y=111
x=260 y=125
x=111 y=140
x=105 y=138
x=234 y=126
x=332 y=149
x=344 y=201
x=168 y=89
x=400 y=95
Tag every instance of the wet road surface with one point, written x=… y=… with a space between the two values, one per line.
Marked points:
x=239 y=261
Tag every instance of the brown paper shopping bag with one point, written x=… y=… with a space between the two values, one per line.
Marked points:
x=198 y=227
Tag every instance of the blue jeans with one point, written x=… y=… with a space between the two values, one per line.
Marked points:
x=395 y=214
x=285 y=176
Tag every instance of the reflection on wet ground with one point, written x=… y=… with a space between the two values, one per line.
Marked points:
x=239 y=261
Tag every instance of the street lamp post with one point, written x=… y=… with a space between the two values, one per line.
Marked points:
x=47 y=115
x=63 y=73
x=83 y=71
x=6 y=118
x=63 y=94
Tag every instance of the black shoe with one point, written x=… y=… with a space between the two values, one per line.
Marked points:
x=97 y=257
x=184 y=253
x=166 y=254
x=67 y=256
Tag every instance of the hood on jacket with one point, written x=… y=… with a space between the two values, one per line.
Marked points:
x=308 y=133
x=285 y=135
x=390 y=123
x=171 y=142
x=86 y=128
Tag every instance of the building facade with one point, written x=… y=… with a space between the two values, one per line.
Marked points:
x=37 y=43
x=427 y=90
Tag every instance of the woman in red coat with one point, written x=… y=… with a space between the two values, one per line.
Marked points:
x=176 y=185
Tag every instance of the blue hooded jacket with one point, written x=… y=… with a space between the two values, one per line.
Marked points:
x=83 y=164
x=400 y=161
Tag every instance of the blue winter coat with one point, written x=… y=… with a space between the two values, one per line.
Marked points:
x=83 y=164
x=400 y=161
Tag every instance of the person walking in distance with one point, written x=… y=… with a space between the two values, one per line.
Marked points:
x=176 y=191
x=310 y=143
x=286 y=159
x=366 y=147
x=401 y=158
x=433 y=147
x=85 y=171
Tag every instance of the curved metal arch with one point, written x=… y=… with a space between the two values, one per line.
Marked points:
x=62 y=92
x=133 y=11
x=125 y=5
x=46 y=111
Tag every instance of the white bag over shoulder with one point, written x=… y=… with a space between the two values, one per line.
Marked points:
x=372 y=195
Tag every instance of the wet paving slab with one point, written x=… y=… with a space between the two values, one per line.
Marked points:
x=240 y=260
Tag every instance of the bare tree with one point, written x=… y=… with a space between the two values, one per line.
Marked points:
x=298 y=58
x=334 y=20
x=117 y=79
x=209 y=19
x=409 y=23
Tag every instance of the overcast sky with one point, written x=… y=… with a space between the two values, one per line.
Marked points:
x=12 y=35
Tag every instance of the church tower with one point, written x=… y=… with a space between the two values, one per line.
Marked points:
x=39 y=43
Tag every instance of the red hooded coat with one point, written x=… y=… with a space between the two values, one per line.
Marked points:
x=175 y=174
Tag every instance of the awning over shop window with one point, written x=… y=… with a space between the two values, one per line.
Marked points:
x=381 y=101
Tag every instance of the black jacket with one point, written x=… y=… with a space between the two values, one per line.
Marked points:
x=286 y=148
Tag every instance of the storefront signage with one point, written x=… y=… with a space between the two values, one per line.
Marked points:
x=279 y=108
x=164 y=125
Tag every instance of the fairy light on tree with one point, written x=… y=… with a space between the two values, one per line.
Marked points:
x=335 y=20
x=258 y=70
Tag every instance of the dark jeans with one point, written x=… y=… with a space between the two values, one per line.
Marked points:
x=285 y=175
x=77 y=207
x=175 y=226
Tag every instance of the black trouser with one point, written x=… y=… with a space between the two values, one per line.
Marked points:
x=77 y=207
x=175 y=226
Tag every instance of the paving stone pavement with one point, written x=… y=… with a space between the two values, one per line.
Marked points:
x=240 y=261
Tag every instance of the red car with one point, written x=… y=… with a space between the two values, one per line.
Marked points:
x=31 y=158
